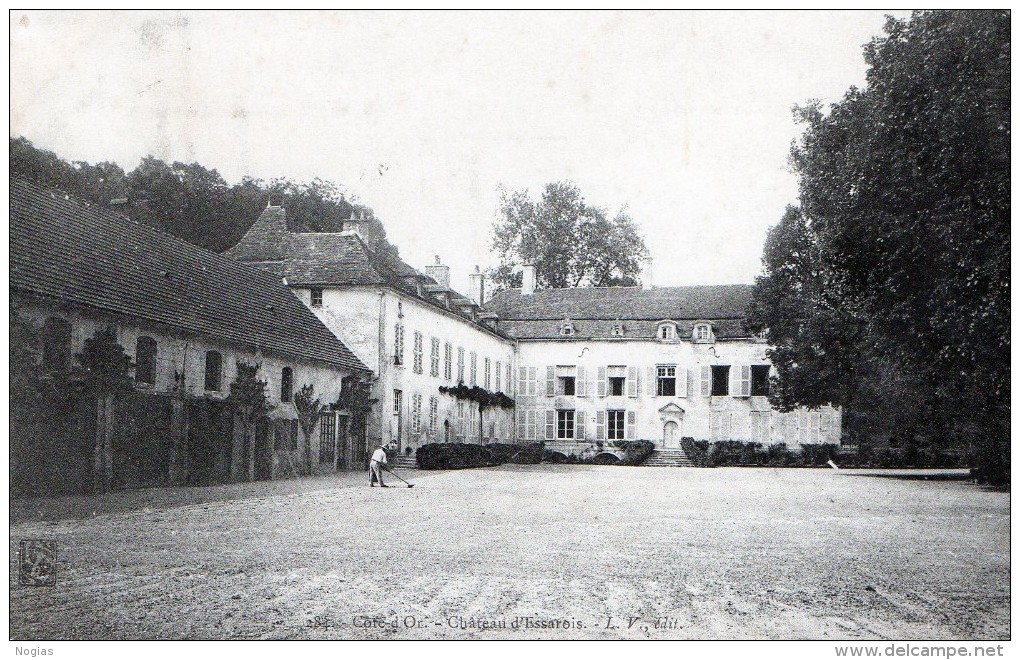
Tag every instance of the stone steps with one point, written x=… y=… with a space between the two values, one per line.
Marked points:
x=668 y=458
x=405 y=462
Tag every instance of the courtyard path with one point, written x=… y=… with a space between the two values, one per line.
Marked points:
x=557 y=550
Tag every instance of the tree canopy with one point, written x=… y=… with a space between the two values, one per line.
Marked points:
x=569 y=241
x=192 y=202
x=897 y=260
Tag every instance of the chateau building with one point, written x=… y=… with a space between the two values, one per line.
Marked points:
x=653 y=363
x=415 y=332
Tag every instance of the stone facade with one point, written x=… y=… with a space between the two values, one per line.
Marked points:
x=410 y=410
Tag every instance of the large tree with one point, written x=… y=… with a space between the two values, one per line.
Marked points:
x=904 y=191
x=569 y=241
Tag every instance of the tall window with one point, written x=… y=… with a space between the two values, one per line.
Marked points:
x=398 y=397
x=433 y=414
x=615 y=428
x=474 y=368
x=316 y=297
x=286 y=385
x=565 y=424
x=665 y=380
x=759 y=380
x=720 y=380
x=418 y=350
x=448 y=361
x=460 y=363
x=416 y=413
x=434 y=365
x=398 y=343
x=499 y=374
x=508 y=377
x=488 y=373
x=213 y=371
x=56 y=354
x=145 y=361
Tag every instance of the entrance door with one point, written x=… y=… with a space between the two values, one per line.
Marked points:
x=446 y=431
x=671 y=435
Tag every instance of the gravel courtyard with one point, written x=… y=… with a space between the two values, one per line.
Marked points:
x=518 y=552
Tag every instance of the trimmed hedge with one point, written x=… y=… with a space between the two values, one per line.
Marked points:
x=453 y=456
x=635 y=451
x=530 y=454
x=696 y=450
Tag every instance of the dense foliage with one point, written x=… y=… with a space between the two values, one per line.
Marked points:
x=887 y=290
x=192 y=202
x=569 y=241
x=483 y=397
x=453 y=456
x=530 y=454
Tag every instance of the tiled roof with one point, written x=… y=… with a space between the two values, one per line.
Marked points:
x=330 y=259
x=593 y=311
x=86 y=254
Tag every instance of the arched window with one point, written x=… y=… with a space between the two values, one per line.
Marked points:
x=616 y=330
x=56 y=354
x=286 y=384
x=567 y=328
x=667 y=331
x=145 y=361
x=213 y=371
x=702 y=332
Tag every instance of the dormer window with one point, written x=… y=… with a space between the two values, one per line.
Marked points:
x=666 y=332
x=702 y=332
x=616 y=330
x=567 y=329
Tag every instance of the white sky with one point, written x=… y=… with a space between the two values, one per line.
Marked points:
x=683 y=116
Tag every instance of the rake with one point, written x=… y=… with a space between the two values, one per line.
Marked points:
x=409 y=484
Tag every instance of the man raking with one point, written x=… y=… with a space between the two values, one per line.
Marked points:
x=375 y=467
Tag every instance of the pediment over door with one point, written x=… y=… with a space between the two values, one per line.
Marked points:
x=671 y=411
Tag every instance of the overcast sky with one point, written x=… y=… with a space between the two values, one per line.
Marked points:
x=683 y=116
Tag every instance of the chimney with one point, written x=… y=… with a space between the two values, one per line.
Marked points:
x=440 y=273
x=356 y=224
x=528 y=283
x=647 y=273
x=476 y=288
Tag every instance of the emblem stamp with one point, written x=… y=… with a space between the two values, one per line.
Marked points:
x=37 y=563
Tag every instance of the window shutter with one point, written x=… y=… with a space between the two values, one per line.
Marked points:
x=579 y=425
x=745 y=380
x=602 y=382
x=632 y=374
x=706 y=380
x=522 y=424
x=600 y=425
x=826 y=427
x=631 y=424
x=550 y=424
x=532 y=425
x=681 y=381
x=582 y=383
x=653 y=381
x=522 y=379
x=550 y=381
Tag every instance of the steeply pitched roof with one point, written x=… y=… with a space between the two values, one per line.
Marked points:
x=593 y=311
x=86 y=254
x=331 y=259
